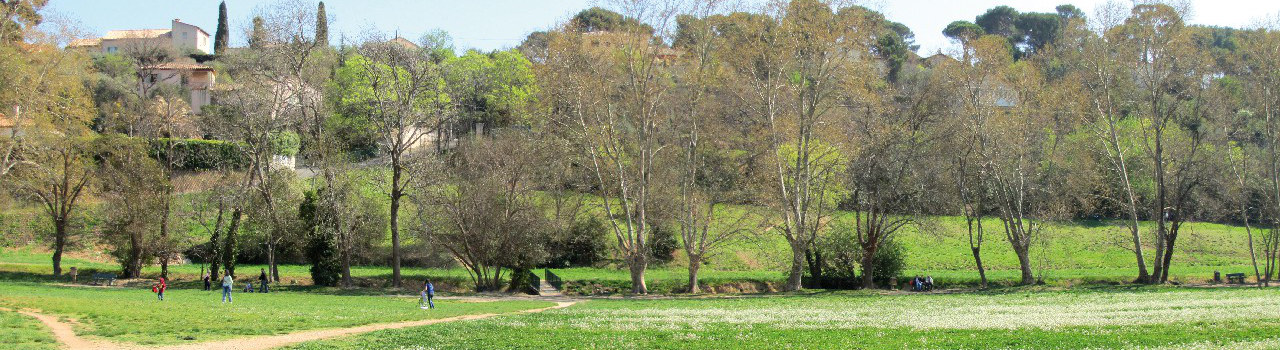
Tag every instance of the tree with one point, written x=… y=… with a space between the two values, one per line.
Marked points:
x=222 y=35
x=794 y=69
x=977 y=82
x=482 y=207
x=48 y=94
x=134 y=187
x=322 y=26
x=701 y=195
x=611 y=99
x=1156 y=43
x=402 y=91
x=1102 y=78
x=258 y=34
x=18 y=16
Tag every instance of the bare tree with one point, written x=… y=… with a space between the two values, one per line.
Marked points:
x=483 y=211
x=610 y=88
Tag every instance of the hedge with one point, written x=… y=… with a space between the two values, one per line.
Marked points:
x=199 y=155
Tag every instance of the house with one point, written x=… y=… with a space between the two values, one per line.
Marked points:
x=181 y=37
x=196 y=78
x=937 y=60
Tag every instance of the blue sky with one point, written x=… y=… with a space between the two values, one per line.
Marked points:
x=497 y=24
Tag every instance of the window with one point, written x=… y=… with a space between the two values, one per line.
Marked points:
x=111 y=49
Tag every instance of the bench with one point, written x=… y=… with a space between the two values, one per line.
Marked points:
x=1235 y=278
x=109 y=277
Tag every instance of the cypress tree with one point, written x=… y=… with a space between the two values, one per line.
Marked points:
x=322 y=26
x=220 y=36
x=258 y=36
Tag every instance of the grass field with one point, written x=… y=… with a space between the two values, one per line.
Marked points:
x=1091 y=318
x=18 y=331
x=191 y=315
x=1067 y=254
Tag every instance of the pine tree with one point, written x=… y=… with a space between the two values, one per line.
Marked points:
x=322 y=26
x=221 y=35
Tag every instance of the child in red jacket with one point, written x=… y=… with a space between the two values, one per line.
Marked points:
x=159 y=289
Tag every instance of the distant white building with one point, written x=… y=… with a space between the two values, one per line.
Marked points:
x=182 y=37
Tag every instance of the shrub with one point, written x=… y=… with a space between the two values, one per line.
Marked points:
x=889 y=261
x=663 y=246
x=586 y=244
x=200 y=155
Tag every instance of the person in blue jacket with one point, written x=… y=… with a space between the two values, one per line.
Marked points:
x=428 y=292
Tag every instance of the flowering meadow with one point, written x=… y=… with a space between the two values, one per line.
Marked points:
x=1099 y=318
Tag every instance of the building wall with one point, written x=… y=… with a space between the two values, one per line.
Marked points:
x=119 y=46
x=186 y=36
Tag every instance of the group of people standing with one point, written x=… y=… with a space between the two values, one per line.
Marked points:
x=228 y=281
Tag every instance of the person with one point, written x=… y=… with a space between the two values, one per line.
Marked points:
x=928 y=282
x=74 y=273
x=205 y=278
x=248 y=287
x=915 y=283
x=428 y=292
x=159 y=289
x=262 y=281
x=227 y=282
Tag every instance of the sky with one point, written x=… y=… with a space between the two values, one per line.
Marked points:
x=499 y=24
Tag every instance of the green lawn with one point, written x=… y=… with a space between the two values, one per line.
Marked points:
x=1088 y=318
x=187 y=315
x=18 y=331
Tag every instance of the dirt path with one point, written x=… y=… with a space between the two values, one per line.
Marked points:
x=63 y=332
x=66 y=335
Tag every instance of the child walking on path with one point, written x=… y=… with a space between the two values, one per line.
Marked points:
x=428 y=292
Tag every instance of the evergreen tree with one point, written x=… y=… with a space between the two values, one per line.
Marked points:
x=322 y=249
x=259 y=34
x=220 y=36
x=322 y=26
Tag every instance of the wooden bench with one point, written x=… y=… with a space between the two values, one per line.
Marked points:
x=109 y=277
x=1235 y=278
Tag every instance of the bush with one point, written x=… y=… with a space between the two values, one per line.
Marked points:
x=842 y=259
x=199 y=155
x=585 y=245
x=663 y=246
x=889 y=261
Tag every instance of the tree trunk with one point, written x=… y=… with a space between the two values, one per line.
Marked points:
x=59 y=242
x=229 y=252
x=797 y=268
x=395 y=225
x=164 y=237
x=868 y=268
x=133 y=263
x=1024 y=263
x=982 y=272
x=1168 y=254
x=271 y=258
x=638 y=264
x=695 y=262
x=814 y=258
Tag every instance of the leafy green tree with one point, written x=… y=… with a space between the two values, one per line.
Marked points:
x=134 y=187
x=17 y=16
x=497 y=88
